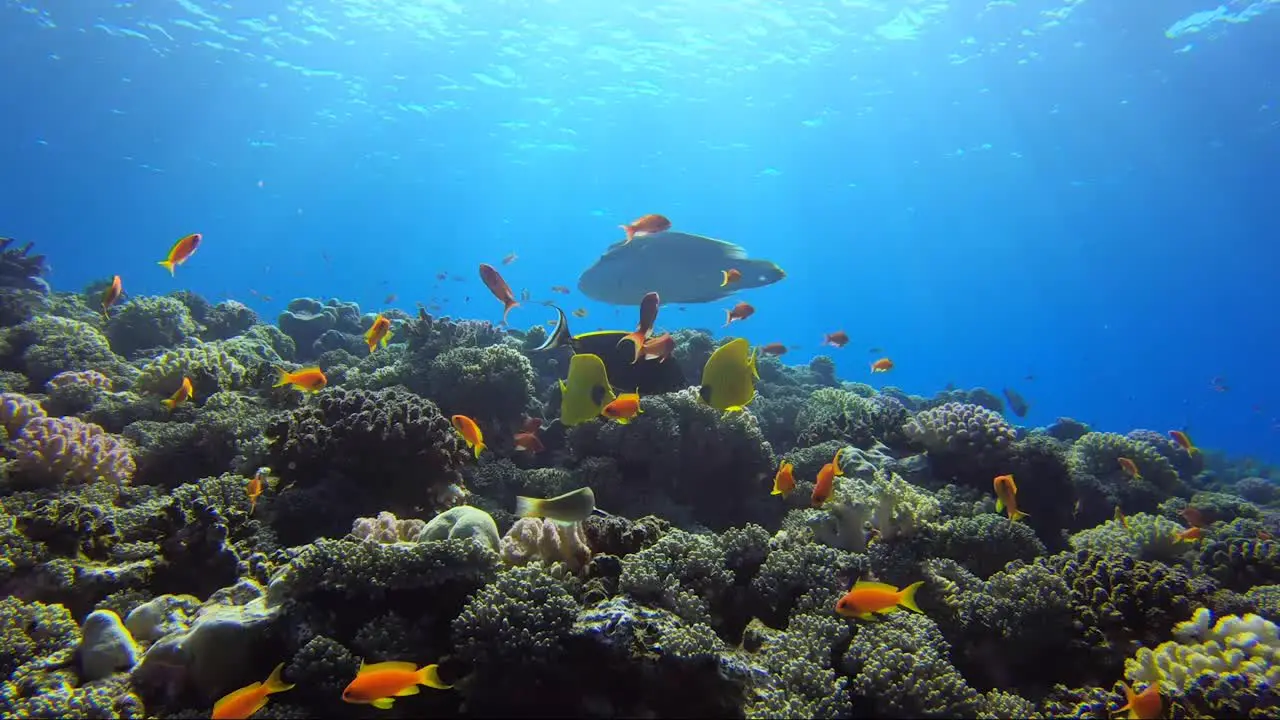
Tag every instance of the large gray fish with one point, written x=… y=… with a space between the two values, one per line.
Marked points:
x=681 y=267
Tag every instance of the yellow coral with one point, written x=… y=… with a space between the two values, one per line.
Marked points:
x=1246 y=644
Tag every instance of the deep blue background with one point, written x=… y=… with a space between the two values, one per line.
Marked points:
x=1002 y=195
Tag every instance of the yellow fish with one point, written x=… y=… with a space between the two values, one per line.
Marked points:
x=728 y=378
x=587 y=392
x=571 y=507
x=181 y=395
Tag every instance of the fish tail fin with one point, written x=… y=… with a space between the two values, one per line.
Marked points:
x=507 y=309
x=167 y=265
x=479 y=448
x=275 y=683
x=637 y=339
x=631 y=233
x=169 y=403
x=908 y=599
x=728 y=317
x=1017 y=515
x=724 y=282
x=386 y=338
x=282 y=378
x=429 y=675
x=528 y=507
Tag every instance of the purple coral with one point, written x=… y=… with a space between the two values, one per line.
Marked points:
x=68 y=450
x=543 y=539
x=386 y=529
x=16 y=410
x=962 y=428
x=79 y=378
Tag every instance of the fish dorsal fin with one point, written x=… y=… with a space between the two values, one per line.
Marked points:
x=560 y=336
x=873 y=585
x=391 y=665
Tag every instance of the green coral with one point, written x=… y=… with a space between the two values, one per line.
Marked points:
x=146 y=323
x=985 y=543
x=491 y=382
x=1141 y=536
x=800 y=662
x=899 y=667
x=838 y=414
x=682 y=572
x=519 y=620
x=1240 y=564
x=55 y=344
x=1099 y=453
x=210 y=368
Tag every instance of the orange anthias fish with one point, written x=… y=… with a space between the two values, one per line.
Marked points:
x=531 y=424
x=510 y=259
x=1146 y=705
x=180 y=251
x=307 y=379
x=1193 y=516
x=179 y=396
x=499 y=287
x=1007 y=497
x=624 y=408
x=379 y=684
x=1190 y=534
x=469 y=431
x=1129 y=468
x=1121 y=518
x=241 y=704
x=882 y=365
x=866 y=598
x=660 y=348
x=111 y=295
x=741 y=311
x=528 y=442
x=651 y=223
x=378 y=333
x=731 y=275
x=785 y=481
x=825 y=485
x=1183 y=441
x=774 y=349
x=255 y=487
x=838 y=339
x=648 y=316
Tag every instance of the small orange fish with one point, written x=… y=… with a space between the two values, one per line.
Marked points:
x=1193 y=516
x=651 y=223
x=1183 y=441
x=510 y=259
x=825 y=485
x=866 y=598
x=179 y=396
x=1121 y=518
x=774 y=349
x=181 y=250
x=560 y=289
x=499 y=287
x=241 y=704
x=1190 y=535
x=624 y=408
x=731 y=275
x=307 y=379
x=1129 y=468
x=580 y=313
x=648 y=316
x=255 y=487
x=379 y=333
x=741 y=311
x=528 y=442
x=111 y=295
x=1146 y=705
x=882 y=365
x=785 y=481
x=838 y=339
x=531 y=424
x=379 y=684
x=1007 y=497
x=470 y=432
x=660 y=348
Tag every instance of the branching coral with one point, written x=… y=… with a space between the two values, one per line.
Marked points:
x=69 y=451
x=837 y=414
x=208 y=366
x=16 y=410
x=493 y=382
x=965 y=441
x=545 y=540
x=899 y=668
x=1098 y=454
x=1142 y=536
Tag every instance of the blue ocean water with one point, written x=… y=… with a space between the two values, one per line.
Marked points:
x=1074 y=199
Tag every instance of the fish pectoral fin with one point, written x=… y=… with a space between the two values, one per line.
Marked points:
x=999 y=505
x=383 y=703
x=411 y=690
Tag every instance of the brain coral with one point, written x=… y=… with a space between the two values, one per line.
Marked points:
x=969 y=441
x=146 y=323
x=66 y=450
x=56 y=344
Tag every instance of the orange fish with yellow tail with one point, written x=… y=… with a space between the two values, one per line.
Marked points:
x=381 y=683
x=624 y=408
x=882 y=365
x=243 y=703
x=785 y=481
x=111 y=295
x=645 y=225
x=731 y=276
x=825 y=485
x=470 y=432
x=379 y=333
x=1129 y=468
x=499 y=287
x=309 y=380
x=648 y=316
x=181 y=251
x=1183 y=441
x=179 y=396
x=660 y=348
x=1007 y=497
x=255 y=486
x=741 y=311
x=1190 y=535
x=1146 y=705
x=867 y=598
